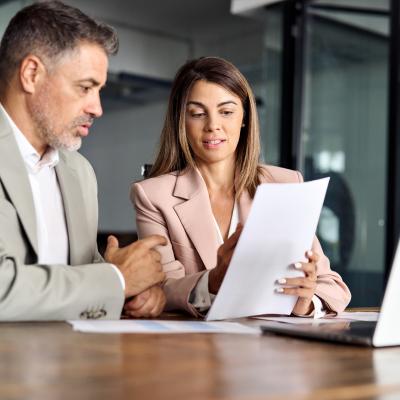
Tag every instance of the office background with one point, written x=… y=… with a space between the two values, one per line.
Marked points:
x=325 y=73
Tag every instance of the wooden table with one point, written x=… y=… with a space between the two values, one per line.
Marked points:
x=50 y=361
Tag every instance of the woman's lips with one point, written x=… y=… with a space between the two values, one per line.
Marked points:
x=213 y=143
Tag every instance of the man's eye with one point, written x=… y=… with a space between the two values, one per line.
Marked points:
x=85 y=89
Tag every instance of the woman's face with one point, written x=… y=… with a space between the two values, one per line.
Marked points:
x=214 y=118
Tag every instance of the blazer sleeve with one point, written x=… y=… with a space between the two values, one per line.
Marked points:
x=57 y=292
x=34 y=292
x=331 y=289
x=177 y=286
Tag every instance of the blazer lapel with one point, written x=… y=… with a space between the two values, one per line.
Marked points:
x=73 y=206
x=196 y=215
x=16 y=183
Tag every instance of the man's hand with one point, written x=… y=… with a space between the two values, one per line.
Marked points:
x=148 y=304
x=224 y=256
x=139 y=263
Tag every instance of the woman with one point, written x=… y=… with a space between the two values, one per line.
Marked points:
x=202 y=184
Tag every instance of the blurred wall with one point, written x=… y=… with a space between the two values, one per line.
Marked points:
x=155 y=39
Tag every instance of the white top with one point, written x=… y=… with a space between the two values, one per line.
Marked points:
x=232 y=226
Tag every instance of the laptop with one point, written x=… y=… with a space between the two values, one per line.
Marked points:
x=383 y=332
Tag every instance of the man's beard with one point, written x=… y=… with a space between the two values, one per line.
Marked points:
x=64 y=140
x=67 y=137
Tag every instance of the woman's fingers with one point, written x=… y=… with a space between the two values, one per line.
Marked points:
x=303 y=287
x=312 y=256
x=296 y=291
x=301 y=282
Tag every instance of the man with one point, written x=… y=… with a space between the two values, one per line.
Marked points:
x=53 y=63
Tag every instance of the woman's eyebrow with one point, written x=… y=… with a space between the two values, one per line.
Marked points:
x=198 y=103
x=227 y=102
x=195 y=103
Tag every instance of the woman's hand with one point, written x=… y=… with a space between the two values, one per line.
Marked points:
x=224 y=256
x=303 y=287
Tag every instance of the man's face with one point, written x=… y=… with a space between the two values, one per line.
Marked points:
x=67 y=100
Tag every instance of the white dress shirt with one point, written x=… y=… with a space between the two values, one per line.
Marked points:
x=51 y=227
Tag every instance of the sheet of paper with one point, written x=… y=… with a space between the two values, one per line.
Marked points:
x=159 y=326
x=298 y=320
x=278 y=231
x=345 y=316
x=358 y=316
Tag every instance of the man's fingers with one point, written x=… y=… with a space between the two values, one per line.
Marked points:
x=158 y=305
x=112 y=247
x=153 y=240
x=137 y=314
x=112 y=242
x=135 y=304
x=159 y=277
x=157 y=309
x=152 y=307
x=156 y=255
x=138 y=301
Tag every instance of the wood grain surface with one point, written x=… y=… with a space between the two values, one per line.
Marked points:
x=50 y=361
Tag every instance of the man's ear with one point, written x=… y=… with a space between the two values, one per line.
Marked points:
x=31 y=73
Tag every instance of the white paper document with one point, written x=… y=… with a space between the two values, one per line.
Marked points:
x=159 y=326
x=344 y=316
x=358 y=316
x=279 y=230
x=298 y=320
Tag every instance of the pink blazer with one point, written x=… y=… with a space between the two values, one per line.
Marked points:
x=177 y=206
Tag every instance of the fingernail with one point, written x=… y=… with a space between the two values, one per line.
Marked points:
x=281 y=280
x=279 y=290
x=297 y=265
x=309 y=253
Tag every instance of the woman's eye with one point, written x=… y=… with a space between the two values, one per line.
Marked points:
x=226 y=112
x=198 y=114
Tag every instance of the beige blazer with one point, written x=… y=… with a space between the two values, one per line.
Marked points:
x=88 y=288
x=177 y=206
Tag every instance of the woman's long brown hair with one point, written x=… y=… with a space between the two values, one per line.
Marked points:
x=174 y=152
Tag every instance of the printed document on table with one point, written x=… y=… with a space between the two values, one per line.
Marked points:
x=279 y=230
x=159 y=326
x=343 y=316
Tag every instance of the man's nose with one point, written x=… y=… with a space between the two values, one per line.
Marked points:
x=94 y=107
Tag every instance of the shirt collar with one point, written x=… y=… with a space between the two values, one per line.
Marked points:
x=31 y=157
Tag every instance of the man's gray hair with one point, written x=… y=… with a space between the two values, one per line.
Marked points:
x=49 y=30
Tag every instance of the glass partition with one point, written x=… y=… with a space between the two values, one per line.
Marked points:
x=344 y=135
